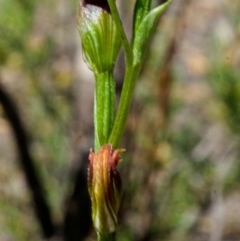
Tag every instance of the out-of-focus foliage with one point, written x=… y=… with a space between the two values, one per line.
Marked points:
x=188 y=163
x=35 y=66
x=181 y=170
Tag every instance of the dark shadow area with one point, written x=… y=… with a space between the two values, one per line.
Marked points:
x=77 y=223
x=36 y=188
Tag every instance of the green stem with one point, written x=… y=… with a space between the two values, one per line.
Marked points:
x=118 y=22
x=107 y=237
x=104 y=108
x=124 y=105
x=128 y=84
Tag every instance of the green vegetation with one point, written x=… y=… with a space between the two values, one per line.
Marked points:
x=182 y=133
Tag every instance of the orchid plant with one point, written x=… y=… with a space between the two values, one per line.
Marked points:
x=103 y=36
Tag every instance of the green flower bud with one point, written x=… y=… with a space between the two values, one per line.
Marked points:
x=100 y=39
x=105 y=188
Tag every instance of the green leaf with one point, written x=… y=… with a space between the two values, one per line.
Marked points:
x=145 y=30
x=141 y=9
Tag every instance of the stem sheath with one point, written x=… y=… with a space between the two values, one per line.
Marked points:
x=104 y=108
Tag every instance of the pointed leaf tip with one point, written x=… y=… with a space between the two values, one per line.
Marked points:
x=145 y=30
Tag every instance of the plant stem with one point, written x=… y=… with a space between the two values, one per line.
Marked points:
x=128 y=84
x=104 y=108
x=107 y=237
x=118 y=22
x=124 y=104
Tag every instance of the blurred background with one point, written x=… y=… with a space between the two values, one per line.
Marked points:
x=181 y=171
